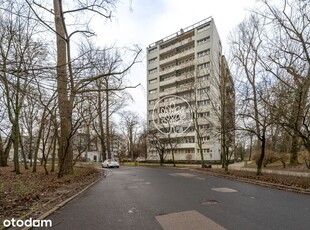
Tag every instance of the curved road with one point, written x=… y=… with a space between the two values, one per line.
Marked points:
x=166 y=198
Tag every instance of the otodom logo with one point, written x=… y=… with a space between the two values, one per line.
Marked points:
x=27 y=223
x=172 y=114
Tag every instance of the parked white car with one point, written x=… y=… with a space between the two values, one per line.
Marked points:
x=110 y=163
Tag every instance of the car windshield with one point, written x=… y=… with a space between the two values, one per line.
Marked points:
x=111 y=161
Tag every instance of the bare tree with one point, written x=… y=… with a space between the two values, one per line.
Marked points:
x=286 y=57
x=130 y=124
x=109 y=91
x=213 y=120
x=157 y=142
x=246 y=44
x=142 y=141
x=29 y=117
x=5 y=136
x=227 y=114
x=68 y=85
x=84 y=137
x=47 y=112
x=19 y=56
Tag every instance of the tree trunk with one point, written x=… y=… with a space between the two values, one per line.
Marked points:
x=173 y=157
x=54 y=154
x=199 y=141
x=161 y=158
x=30 y=147
x=131 y=142
x=107 y=120
x=294 y=149
x=64 y=104
x=251 y=147
x=22 y=150
x=102 y=134
x=171 y=149
x=15 y=134
x=261 y=157
x=36 y=151
x=222 y=115
x=3 y=157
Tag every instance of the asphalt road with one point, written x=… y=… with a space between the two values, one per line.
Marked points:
x=164 y=198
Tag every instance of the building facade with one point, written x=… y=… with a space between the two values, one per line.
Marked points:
x=184 y=82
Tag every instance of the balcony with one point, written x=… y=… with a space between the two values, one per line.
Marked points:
x=176 y=45
x=185 y=53
x=168 y=70
x=186 y=145
x=168 y=92
x=168 y=81
x=175 y=79
x=177 y=67
x=177 y=56
x=186 y=87
x=167 y=60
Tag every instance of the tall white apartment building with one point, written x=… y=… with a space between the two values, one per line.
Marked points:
x=184 y=93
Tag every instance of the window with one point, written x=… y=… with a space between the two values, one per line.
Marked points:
x=206 y=138
x=203 y=28
x=152 y=80
x=168 y=99
x=152 y=102
x=189 y=150
x=206 y=126
x=152 y=60
x=151 y=50
x=168 y=67
x=152 y=121
x=204 y=102
x=204 y=65
x=191 y=129
x=205 y=114
x=153 y=70
x=203 y=78
x=168 y=89
x=167 y=77
x=203 y=53
x=152 y=91
x=189 y=139
x=207 y=151
x=203 y=90
x=204 y=40
x=163 y=57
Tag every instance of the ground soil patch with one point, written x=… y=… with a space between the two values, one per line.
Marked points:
x=31 y=194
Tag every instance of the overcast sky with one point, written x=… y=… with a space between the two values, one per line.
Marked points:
x=147 y=21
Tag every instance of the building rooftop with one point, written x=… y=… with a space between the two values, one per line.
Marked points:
x=189 y=28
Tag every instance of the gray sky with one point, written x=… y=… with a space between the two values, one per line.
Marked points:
x=146 y=21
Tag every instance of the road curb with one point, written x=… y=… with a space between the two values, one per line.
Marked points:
x=58 y=206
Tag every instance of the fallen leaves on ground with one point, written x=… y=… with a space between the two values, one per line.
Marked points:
x=22 y=193
x=290 y=181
